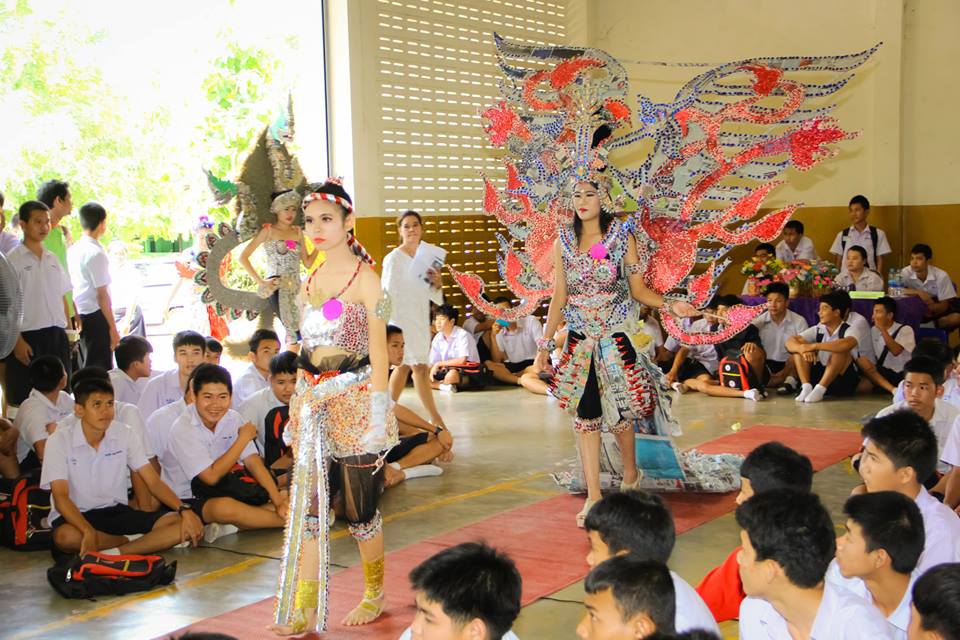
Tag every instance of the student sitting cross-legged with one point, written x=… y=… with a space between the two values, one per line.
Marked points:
x=824 y=354
x=454 y=360
x=878 y=553
x=936 y=604
x=775 y=325
x=207 y=441
x=638 y=523
x=627 y=598
x=900 y=453
x=467 y=592
x=788 y=542
x=891 y=344
x=46 y=405
x=263 y=344
x=770 y=466
x=85 y=469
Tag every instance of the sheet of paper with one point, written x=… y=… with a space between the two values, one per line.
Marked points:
x=428 y=257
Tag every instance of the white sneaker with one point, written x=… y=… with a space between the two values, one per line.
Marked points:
x=680 y=388
x=423 y=471
x=449 y=388
x=214 y=531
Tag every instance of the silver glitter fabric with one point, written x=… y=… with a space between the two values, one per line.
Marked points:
x=283 y=262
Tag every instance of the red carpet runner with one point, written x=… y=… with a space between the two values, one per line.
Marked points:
x=541 y=538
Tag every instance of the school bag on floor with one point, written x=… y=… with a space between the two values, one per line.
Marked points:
x=98 y=574
x=24 y=514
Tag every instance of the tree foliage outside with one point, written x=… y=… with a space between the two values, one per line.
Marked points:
x=61 y=118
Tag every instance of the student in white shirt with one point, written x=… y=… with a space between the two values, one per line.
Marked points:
x=922 y=387
x=514 y=346
x=90 y=273
x=900 y=452
x=263 y=344
x=878 y=553
x=45 y=285
x=795 y=246
x=776 y=324
x=763 y=252
x=46 y=405
x=188 y=352
x=133 y=370
x=260 y=406
x=9 y=437
x=857 y=275
x=788 y=542
x=158 y=428
x=479 y=325
x=421 y=442
x=470 y=590
x=454 y=360
x=891 y=345
x=933 y=286
x=214 y=351
x=84 y=468
x=612 y=525
x=206 y=441
x=627 y=598
x=824 y=354
x=936 y=604
x=694 y=360
x=933 y=348
x=872 y=239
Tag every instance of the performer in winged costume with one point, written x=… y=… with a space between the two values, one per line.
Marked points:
x=717 y=151
x=340 y=416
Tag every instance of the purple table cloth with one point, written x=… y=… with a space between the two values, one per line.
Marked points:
x=910 y=309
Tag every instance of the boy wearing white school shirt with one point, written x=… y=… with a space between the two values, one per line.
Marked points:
x=84 y=468
x=189 y=348
x=46 y=405
x=878 y=553
x=824 y=354
x=45 y=286
x=933 y=286
x=788 y=543
x=264 y=344
x=872 y=239
x=90 y=271
x=206 y=441
x=134 y=368
x=901 y=449
x=776 y=325
x=795 y=246
x=891 y=345
x=922 y=388
x=283 y=383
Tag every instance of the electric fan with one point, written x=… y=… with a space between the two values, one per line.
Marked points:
x=11 y=307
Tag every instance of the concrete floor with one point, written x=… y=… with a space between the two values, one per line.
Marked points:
x=507 y=441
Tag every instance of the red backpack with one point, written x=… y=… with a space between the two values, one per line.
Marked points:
x=24 y=516
x=735 y=373
x=98 y=574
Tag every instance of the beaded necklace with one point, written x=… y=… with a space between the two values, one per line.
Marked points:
x=332 y=307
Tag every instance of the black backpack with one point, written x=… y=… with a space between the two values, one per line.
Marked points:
x=24 y=514
x=97 y=574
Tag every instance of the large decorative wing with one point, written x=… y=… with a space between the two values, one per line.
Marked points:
x=719 y=149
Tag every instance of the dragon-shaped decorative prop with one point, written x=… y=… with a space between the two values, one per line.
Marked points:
x=269 y=169
x=718 y=150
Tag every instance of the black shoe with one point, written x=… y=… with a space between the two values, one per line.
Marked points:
x=787 y=390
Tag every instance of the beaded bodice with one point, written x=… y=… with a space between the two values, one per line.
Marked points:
x=283 y=258
x=598 y=295
x=334 y=343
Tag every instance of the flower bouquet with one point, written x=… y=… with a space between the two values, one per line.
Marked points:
x=805 y=276
x=760 y=272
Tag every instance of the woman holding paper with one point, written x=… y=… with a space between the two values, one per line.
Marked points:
x=412 y=289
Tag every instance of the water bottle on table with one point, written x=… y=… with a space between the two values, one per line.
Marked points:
x=894 y=284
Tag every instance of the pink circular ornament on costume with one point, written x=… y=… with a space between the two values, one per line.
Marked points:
x=291 y=244
x=332 y=309
x=598 y=251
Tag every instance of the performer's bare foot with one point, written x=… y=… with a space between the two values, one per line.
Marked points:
x=582 y=516
x=366 y=612
x=304 y=623
x=392 y=476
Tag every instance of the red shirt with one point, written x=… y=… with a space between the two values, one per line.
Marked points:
x=722 y=590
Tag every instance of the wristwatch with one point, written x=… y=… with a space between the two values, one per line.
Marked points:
x=184 y=507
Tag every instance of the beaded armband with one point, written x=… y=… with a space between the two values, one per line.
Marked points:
x=546 y=344
x=384 y=307
x=669 y=300
x=635 y=269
